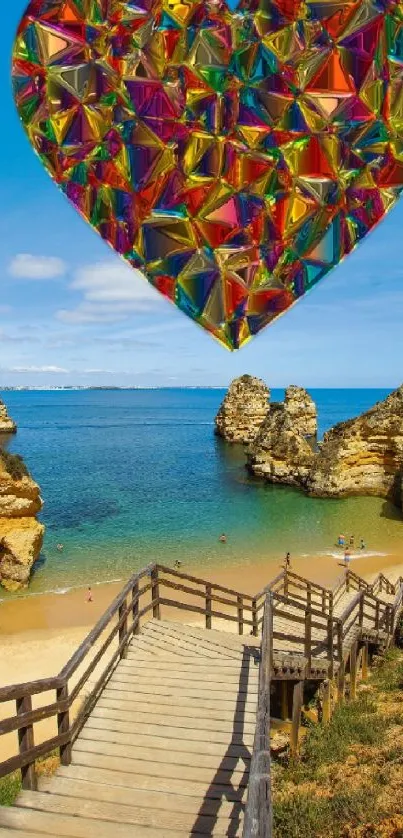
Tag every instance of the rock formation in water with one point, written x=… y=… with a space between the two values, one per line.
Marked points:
x=301 y=410
x=7 y=426
x=280 y=453
x=243 y=410
x=21 y=534
x=363 y=456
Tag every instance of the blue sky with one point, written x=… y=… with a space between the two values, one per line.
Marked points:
x=71 y=313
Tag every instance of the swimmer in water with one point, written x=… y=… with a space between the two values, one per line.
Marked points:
x=341 y=541
x=223 y=537
x=60 y=547
x=362 y=544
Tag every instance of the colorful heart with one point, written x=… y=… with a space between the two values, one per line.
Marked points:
x=233 y=155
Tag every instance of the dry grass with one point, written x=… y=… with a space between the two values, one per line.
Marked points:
x=348 y=782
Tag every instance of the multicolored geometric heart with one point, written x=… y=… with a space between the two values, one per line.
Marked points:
x=235 y=155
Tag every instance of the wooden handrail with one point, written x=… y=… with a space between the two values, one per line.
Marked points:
x=123 y=617
x=258 y=813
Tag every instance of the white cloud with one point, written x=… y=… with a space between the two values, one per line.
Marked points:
x=26 y=266
x=111 y=293
x=33 y=369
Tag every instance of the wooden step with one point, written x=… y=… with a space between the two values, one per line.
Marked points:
x=160 y=643
x=114 y=756
x=18 y=833
x=225 y=700
x=70 y=826
x=136 y=681
x=213 y=637
x=183 y=708
x=168 y=638
x=206 y=746
x=113 y=721
x=90 y=769
x=211 y=673
x=153 y=800
x=132 y=814
x=98 y=739
x=172 y=688
x=123 y=711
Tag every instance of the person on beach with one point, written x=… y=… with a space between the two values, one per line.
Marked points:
x=287 y=562
x=347 y=558
x=89 y=596
x=362 y=544
x=341 y=541
x=223 y=537
x=178 y=564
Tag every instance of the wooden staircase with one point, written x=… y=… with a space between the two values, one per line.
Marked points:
x=172 y=736
x=166 y=750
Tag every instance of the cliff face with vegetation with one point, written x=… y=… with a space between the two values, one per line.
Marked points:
x=7 y=426
x=363 y=456
x=243 y=410
x=21 y=534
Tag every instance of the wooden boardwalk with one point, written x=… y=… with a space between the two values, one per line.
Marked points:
x=172 y=737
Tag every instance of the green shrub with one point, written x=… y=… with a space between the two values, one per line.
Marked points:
x=9 y=788
x=14 y=465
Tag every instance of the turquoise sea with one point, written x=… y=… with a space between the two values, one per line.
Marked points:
x=128 y=477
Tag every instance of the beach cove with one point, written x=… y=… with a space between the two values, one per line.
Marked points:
x=131 y=477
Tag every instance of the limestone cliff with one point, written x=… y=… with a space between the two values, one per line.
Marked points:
x=243 y=410
x=363 y=456
x=7 y=426
x=280 y=453
x=301 y=410
x=21 y=534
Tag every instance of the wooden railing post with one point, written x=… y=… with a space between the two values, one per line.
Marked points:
x=135 y=608
x=347 y=581
x=26 y=742
x=123 y=628
x=285 y=583
x=353 y=671
x=240 y=614
x=324 y=601
x=308 y=640
x=208 y=606
x=297 y=701
x=254 y=618
x=377 y=616
x=155 y=594
x=361 y=612
x=63 y=724
x=341 y=672
x=365 y=661
x=330 y=645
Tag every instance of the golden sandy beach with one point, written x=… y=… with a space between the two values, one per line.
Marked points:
x=39 y=633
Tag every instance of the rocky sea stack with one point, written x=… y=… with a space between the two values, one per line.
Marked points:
x=246 y=407
x=243 y=410
x=7 y=425
x=363 y=456
x=21 y=535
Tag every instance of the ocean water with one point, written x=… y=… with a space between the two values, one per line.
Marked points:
x=130 y=477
